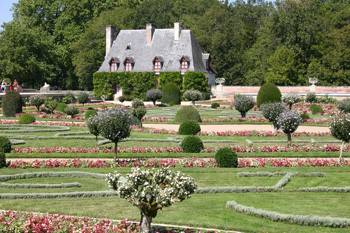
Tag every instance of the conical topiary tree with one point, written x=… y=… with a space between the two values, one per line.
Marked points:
x=268 y=93
x=11 y=104
x=171 y=94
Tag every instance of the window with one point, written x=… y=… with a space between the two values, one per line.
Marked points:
x=184 y=65
x=127 y=65
x=157 y=64
x=113 y=66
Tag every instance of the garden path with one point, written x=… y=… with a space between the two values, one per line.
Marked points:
x=238 y=127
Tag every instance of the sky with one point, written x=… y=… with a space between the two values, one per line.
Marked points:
x=5 y=13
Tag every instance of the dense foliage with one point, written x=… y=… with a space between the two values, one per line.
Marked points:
x=215 y=105
x=339 y=125
x=136 y=103
x=83 y=98
x=171 y=94
x=226 y=157
x=152 y=190
x=284 y=42
x=192 y=95
x=154 y=95
x=268 y=93
x=50 y=104
x=344 y=106
x=289 y=121
x=37 y=101
x=5 y=144
x=187 y=113
x=272 y=111
x=26 y=118
x=195 y=81
x=311 y=97
x=192 y=144
x=61 y=106
x=290 y=99
x=90 y=112
x=71 y=111
x=11 y=104
x=3 y=162
x=243 y=104
x=190 y=127
x=139 y=113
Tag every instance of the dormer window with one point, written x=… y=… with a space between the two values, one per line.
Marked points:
x=113 y=66
x=128 y=47
x=157 y=65
x=184 y=64
x=127 y=65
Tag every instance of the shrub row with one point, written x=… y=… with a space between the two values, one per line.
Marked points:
x=29 y=186
x=57 y=195
x=325 y=189
x=303 y=220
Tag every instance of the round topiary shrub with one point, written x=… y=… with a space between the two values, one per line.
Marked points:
x=83 y=98
x=154 y=95
x=192 y=95
x=192 y=144
x=5 y=144
x=225 y=157
x=61 y=106
x=215 y=105
x=71 y=111
x=121 y=99
x=344 y=106
x=136 y=103
x=37 y=101
x=316 y=109
x=11 y=104
x=189 y=128
x=187 y=113
x=3 y=162
x=89 y=113
x=304 y=116
x=171 y=94
x=26 y=118
x=243 y=104
x=268 y=93
x=311 y=97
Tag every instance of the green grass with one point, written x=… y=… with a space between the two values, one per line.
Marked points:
x=205 y=210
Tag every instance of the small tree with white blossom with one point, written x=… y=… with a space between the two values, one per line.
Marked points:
x=290 y=99
x=192 y=95
x=289 y=121
x=339 y=125
x=272 y=111
x=152 y=190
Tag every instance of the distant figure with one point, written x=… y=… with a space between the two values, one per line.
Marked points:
x=15 y=85
x=11 y=86
x=3 y=86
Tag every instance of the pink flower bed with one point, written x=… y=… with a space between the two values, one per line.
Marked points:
x=12 y=221
x=177 y=149
x=182 y=162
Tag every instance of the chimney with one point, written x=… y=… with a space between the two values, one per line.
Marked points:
x=178 y=27
x=150 y=31
x=110 y=37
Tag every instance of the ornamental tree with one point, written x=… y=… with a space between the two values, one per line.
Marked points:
x=71 y=111
x=50 y=104
x=290 y=99
x=152 y=190
x=272 y=111
x=339 y=125
x=115 y=125
x=193 y=95
x=289 y=121
x=344 y=106
x=93 y=123
x=154 y=95
x=139 y=113
x=37 y=101
x=243 y=104
x=83 y=98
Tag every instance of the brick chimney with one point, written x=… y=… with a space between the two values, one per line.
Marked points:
x=150 y=28
x=111 y=32
x=178 y=27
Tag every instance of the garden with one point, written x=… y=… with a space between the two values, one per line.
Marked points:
x=75 y=166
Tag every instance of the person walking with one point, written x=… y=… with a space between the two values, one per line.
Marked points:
x=11 y=86
x=3 y=86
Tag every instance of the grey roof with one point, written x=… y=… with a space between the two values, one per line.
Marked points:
x=132 y=45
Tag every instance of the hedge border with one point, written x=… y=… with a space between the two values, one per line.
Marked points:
x=19 y=126
x=62 y=185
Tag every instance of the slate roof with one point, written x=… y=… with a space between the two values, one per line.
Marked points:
x=132 y=45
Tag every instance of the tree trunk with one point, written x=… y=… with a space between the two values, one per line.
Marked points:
x=96 y=141
x=115 y=151
x=341 y=152
x=290 y=106
x=145 y=223
x=243 y=114
x=289 y=143
x=193 y=102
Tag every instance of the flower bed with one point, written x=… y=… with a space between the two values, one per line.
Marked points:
x=12 y=221
x=177 y=149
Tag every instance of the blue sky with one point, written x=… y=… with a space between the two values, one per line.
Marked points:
x=5 y=13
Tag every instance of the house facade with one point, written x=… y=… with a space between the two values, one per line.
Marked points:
x=155 y=50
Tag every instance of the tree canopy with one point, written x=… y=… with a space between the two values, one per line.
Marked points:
x=251 y=42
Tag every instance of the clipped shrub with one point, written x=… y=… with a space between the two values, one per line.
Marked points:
x=205 y=96
x=272 y=111
x=311 y=97
x=83 y=98
x=315 y=109
x=37 y=101
x=225 y=157
x=243 y=104
x=189 y=128
x=5 y=144
x=192 y=144
x=3 y=162
x=89 y=113
x=268 y=93
x=103 y=106
x=304 y=116
x=327 y=100
x=26 y=118
x=139 y=113
x=136 y=103
x=344 y=106
x=121 y=99
x=193 y=95
x=171 y=94
x=61 y=106
x=11 y=104
x=187 y=113
x=289 y=121
x=154 y=95
x=71 y=111
x=215 y=105
x=290 y=99
x=50 y=104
